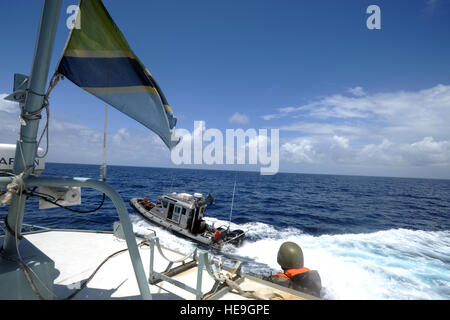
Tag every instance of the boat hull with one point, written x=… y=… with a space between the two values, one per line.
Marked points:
x=206 y=238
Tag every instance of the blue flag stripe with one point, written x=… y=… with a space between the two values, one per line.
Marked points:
x=104 y=72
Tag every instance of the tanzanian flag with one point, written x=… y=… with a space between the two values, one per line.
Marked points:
x=98 y=59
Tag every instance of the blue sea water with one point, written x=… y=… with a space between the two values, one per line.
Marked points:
x=369 y=237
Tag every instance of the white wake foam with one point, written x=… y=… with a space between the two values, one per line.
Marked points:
x=392 y=264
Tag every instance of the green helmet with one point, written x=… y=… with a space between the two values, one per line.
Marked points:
x=290 y=256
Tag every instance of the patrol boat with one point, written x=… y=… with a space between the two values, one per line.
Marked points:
x=183 y=214
x=43 y=263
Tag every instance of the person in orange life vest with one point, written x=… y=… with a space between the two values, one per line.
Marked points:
x=295 y=275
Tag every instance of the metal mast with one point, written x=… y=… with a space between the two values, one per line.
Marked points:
x=26 y=145
x=31 y=103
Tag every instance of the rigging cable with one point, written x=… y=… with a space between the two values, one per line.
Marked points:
x=85 y=283
x=17 y=236
x=49 y=198
x=17 y=185
x=46 y=105
x=171 y=185
x=26 y=271
x=103 y=167
x=232 y=201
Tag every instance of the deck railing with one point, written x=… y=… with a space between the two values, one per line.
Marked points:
x=197 y=258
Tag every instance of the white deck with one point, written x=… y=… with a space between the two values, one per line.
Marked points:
x=77 y=254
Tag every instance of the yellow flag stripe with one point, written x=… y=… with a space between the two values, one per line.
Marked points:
x=99 y=54
x=168 y=108
x=119 y=90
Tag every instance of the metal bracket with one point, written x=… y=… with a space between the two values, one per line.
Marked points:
x=215 y=272
x=201 y=261
x=154 y=276
x=20 y=88
x=122 y=211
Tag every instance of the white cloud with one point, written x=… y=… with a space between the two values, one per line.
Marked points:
x=383 y=153
x=384 y=129
x=268 y=117
x=431 y=6
x=288 y=109
x=405 y=129
x=427 y=151
x=300 y=151
x=238 y=118
x=357 y=91
x=70 y=142
x=75 y=143
x=339 y=150
x=8 y=106
x=317 y=150
x=9 y=120
x=341 y=141
x=316 y=128
x=430 y=106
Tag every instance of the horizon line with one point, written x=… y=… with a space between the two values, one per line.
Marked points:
x=248 y=171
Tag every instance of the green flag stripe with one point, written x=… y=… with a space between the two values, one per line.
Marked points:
x=99 y=54
x=97 y=30
x=98 y=58
x=120 y=90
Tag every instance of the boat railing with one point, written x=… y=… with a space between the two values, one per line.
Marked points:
x=26 y=228
x=121 y=209
x=198 y=258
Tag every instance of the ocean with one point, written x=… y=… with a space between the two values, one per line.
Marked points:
x=368 y=237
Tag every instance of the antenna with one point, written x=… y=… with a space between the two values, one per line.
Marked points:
x=171 y=185
x=232 y=201
x=103 y=167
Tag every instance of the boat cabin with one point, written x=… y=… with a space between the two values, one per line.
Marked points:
x=183 y=209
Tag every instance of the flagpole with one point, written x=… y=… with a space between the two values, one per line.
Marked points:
x=26 y=145
x=103 y=169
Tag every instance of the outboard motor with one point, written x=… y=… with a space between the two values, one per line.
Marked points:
x=236 y=237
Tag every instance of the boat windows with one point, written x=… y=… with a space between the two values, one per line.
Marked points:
x=164 y=203
x=170 y=212
x=183 y=211
x=176 y=214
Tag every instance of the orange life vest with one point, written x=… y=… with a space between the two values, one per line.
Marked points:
x=289 y=273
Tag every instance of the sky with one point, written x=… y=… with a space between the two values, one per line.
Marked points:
x=346 y=99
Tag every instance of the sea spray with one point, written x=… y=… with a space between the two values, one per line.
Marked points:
x=369 y=237
x=391 y=264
